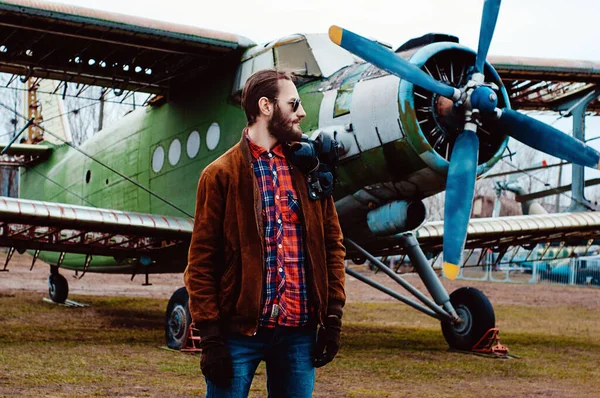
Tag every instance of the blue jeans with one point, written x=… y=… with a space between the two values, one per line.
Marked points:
x=288 y=353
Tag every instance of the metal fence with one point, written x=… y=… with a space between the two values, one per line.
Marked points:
x=584 y=271
x=542 y=264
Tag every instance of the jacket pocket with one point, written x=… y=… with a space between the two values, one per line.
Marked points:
x=228 y=286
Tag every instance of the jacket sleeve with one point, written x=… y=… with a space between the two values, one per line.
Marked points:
x=336 y=252
x=201 y=276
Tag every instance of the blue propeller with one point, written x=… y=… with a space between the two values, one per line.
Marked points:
x=462 y=172
x=491 y=8
x=547 y=139
x=385 y=59
x=460 y=186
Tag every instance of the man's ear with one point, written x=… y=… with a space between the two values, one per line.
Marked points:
x=265 y=106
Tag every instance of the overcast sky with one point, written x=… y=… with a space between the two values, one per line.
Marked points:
x=544 y=28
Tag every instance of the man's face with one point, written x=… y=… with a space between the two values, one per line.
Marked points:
x=284 y=124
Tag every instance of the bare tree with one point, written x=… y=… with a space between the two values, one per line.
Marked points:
x=435 y=206
x=10 y=125
x=11 y=98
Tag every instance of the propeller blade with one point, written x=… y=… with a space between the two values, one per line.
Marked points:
x=385 y=59
x=460 y=186
x=547 y=139
x=491 y=8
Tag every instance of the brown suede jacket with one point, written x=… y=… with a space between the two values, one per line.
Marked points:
x=225 y=272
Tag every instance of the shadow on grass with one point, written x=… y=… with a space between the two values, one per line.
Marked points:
x=367 y=338
x=107 y=320
x=131 y=318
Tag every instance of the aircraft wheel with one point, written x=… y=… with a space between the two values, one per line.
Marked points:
x=58 y=288
x=178 y=319
x=359 y=260
x=477 y=315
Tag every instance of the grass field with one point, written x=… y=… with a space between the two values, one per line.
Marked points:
x=112 y=348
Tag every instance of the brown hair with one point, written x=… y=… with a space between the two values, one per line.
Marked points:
x=264 y=83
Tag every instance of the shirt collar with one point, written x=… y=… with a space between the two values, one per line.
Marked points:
x=257 y=151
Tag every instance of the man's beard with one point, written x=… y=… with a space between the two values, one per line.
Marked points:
x=283 y=129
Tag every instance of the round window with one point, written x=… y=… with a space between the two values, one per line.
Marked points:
x=212 y=136
x=174 y=152
x=158 y=159
x=193 y=144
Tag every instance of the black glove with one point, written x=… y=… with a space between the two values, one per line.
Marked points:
x=216 y=361
x=328 y=341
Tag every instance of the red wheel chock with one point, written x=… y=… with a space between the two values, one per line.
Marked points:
x=192 y=340
x=489 y=344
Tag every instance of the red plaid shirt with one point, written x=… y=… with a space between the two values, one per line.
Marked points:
x=285 y=298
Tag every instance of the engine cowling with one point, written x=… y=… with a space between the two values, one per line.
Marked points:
x=428 y=120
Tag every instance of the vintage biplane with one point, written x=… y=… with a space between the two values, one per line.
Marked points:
x=430 y=116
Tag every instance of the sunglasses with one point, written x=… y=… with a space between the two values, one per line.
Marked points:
x=295 y=103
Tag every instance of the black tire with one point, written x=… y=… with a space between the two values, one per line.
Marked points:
x=177 y=319
x=58 y=288
x=359 y=260
x=477 y=315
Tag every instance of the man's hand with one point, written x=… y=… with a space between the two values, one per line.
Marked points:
x=216 y=361
x=328 y=341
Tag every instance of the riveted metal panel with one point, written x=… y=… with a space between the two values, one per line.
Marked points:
x=374 y=112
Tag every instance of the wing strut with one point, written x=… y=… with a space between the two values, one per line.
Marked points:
x=440 y=308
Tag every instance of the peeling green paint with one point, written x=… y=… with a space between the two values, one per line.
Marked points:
x=343 y=100
x=391 y=162
x=401 y=159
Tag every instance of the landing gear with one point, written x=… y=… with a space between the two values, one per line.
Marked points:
x=466 y=315
x=58 y=287
x=476 y=318
x=178 y=319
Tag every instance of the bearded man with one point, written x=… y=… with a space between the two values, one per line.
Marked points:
x=266 y=262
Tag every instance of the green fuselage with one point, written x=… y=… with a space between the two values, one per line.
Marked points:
x=127 y=146
x=69 y=176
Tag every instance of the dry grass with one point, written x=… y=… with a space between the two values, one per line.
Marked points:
x=112 y=348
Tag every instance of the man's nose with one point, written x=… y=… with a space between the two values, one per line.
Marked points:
x=300 y=112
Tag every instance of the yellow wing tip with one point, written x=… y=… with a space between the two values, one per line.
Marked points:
x=451 y=270
x=335 y=34
x=598 y=165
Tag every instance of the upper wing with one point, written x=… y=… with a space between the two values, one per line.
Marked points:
x=30 y=224
x=81 y=45
x=546 y=84
x=574 y=228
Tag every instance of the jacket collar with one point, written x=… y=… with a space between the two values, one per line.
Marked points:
x=247 y=152
x=245 y=148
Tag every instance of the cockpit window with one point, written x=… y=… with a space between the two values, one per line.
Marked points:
x=307 y=56
x=297 y=58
